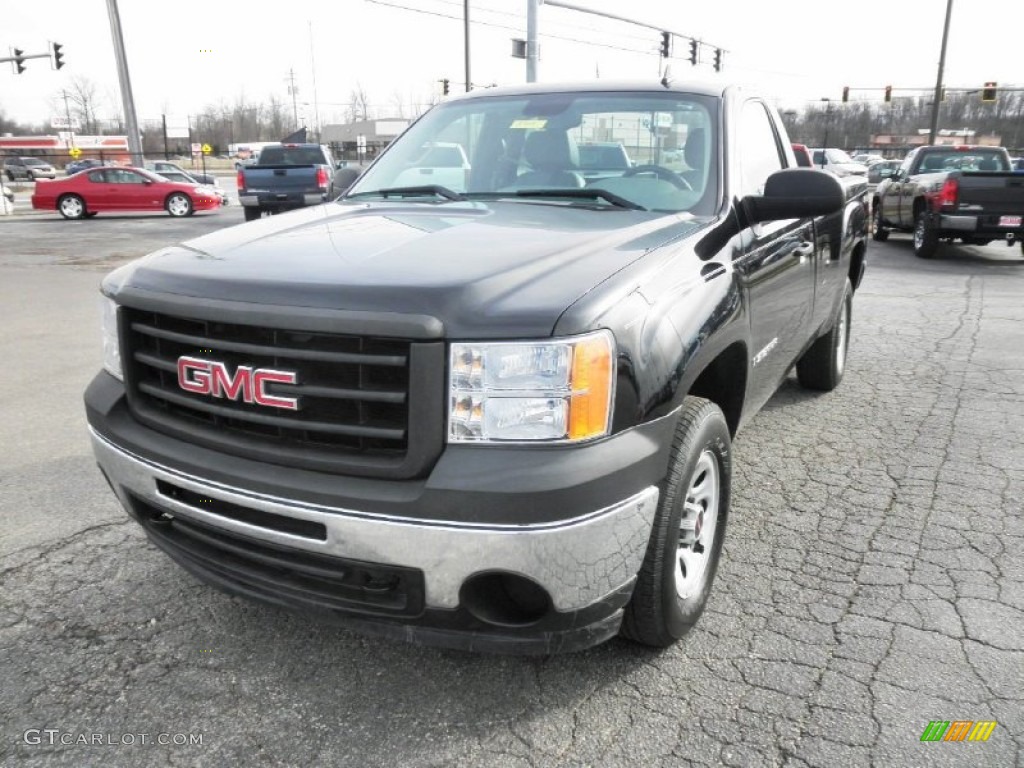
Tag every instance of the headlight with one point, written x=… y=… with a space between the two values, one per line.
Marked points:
x=111 y=343
x=555 y=391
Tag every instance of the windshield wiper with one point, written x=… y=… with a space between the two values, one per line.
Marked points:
x=426 y=189
x=585 y=193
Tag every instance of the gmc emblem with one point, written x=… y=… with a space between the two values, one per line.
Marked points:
x=209 y=377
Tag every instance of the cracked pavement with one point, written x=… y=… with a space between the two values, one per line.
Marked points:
x=873 y=581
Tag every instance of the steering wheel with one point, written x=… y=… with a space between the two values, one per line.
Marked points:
x=662 y=173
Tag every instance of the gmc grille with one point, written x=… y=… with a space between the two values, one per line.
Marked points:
x=353 y=392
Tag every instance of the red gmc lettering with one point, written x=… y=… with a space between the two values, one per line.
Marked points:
x=208 y=377
x=263 y=377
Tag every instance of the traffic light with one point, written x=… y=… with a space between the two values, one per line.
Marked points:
x=988 y=93
x=718 y=59
x=846 y=93
x=888 y=93
x=19 y=60
x=693 y=52
x=666 y=44
x=58 y=57
x=444 y=86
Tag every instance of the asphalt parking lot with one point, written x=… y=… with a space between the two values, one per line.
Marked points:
x=873 y=577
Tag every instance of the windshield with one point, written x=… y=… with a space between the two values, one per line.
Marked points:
x=33 y=161
x=652 y=150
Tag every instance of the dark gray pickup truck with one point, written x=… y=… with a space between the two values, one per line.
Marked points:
x=287 y=176
x=496 y=415
x=951 y=193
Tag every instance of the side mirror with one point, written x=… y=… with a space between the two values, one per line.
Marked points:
x=345 y=178
x=794 y=193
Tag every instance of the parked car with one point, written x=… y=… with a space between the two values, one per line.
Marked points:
x=30 y=168
x=837 y=161
x=80 y=165
x=867 y=158
x=882 y=170
x=121 y=189
x=159 y=166
x=497 y=419
x=1017 y=163
x=608 y=158
x=181 y=177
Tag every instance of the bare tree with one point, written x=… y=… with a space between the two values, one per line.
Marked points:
x=359 y=104
x=78 y=101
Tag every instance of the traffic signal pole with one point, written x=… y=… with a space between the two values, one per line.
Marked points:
x=127 y=100
x=938 y=82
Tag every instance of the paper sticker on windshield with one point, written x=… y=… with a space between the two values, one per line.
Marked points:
x=530 y=123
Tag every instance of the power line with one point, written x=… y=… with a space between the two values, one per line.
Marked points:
x=505 y=26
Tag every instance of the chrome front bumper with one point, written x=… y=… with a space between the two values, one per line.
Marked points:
x=578 y=561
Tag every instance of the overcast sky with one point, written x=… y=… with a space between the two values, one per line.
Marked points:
x=187 y=54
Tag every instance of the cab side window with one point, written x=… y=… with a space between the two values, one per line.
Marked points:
x=760 y=155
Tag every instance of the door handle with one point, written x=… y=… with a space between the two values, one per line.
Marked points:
x=804 y=251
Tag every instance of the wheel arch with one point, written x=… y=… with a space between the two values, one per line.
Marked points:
x=857 y=264
x=723 y=381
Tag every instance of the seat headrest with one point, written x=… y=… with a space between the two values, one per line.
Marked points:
x=551 y=149
x=695 y=149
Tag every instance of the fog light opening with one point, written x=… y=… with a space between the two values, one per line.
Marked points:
x=505 y=599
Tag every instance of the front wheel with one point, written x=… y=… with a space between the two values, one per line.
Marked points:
x=179 y=204
x=926 y=241
x=878 y=230
x=71 y=207
x=822 y=366
x=685 y=546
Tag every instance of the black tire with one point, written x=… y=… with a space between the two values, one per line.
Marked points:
x=251 y=214
x=822 y=366
x=878 y=229
x=72 y=207
x=926 y=241
x=178 y=204
x=658 y=614
x=10 y=176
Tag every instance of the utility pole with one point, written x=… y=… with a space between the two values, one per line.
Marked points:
x=293 y=90
x=67 y=116
x=532 y=12
x=316 y=102
x=127 y=100
x=938 y=81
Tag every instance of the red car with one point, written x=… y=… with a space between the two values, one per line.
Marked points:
x=120 y=189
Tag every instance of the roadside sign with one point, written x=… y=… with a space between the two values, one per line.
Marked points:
x=196 y=148
x=65 y=124
x=75 y=152
x=207 y=149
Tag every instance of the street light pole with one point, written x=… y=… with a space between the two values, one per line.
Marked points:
x=465 y=33
x=532 y=11
x=937 y=99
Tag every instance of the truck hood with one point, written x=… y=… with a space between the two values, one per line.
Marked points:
x=501 y=269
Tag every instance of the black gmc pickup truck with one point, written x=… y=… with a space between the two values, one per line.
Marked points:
x=950 y=193
x=495 y=416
